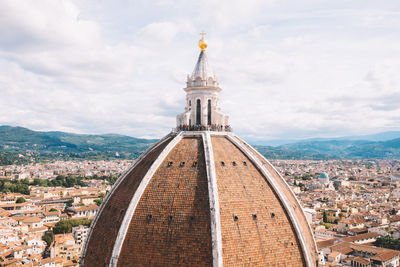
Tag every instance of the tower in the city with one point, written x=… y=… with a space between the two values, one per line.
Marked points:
x=201 y=196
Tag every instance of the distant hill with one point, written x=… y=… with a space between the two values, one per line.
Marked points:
x=67 y=145
x=384 y=136
x=334 y=149
x=21 y=145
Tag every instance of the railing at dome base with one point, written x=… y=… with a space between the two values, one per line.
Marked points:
x=215 y=128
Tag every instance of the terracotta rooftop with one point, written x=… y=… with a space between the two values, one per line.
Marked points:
x=86 y=208
x=361 y=260
x=326 y=243
x=387 y=255
x=355 y=219
x=51 y=213
x=361 y=237
x=62 y=238
x=38 y=229
x=4 y=213
x=334 y=254
x=32 y=219
x=394 y=218
x=381 y=254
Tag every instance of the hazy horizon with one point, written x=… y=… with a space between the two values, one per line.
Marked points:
x=379 y=136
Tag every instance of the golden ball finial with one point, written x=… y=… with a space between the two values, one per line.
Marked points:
x=202 y=43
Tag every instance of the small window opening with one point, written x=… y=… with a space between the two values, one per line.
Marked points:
x=244 y=163
x=198 y=112
x=192 y=218
x=194 y=164
x=254 y=216
x=235 y=218
x=170 y=218
x=170 y=164
x=233 y=163
x=209 y=112
x=182 y=164
x=149 y=217
x=272 y=215
x=222 y=163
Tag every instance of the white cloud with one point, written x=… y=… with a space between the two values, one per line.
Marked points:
x=45 y=24
x=288 y=70
x=161 y=33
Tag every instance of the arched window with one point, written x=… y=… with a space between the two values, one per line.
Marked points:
x=209 y=112
x=198 y=112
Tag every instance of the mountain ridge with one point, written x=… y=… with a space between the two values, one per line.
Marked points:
x=334 y=149
x=20 y=145
x=382 y=136
x=57 y=144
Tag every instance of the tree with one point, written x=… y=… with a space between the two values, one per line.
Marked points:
x=69 y=203
x=48 y=238
x=65 y=226
x=53 y=209
x=387 y=242
x=306 y=177
x=324 y=217
x=40 y=182
x=393 y=211
x=98 y=201
x=20 y=200
x=6 y=185
x=336 y=187
x=15 y=186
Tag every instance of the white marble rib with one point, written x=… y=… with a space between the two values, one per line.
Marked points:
x=280 y=176
x=136 y=197
x=216 y=236
x=115 y=186
x=306 y=251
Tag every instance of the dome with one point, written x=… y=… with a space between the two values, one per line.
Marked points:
x=198 y=199
x=324 y=175
x=200 y=196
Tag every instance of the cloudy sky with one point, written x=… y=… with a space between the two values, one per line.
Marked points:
x=288 y=68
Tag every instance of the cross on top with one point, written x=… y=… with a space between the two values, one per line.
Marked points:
x=202 y=34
